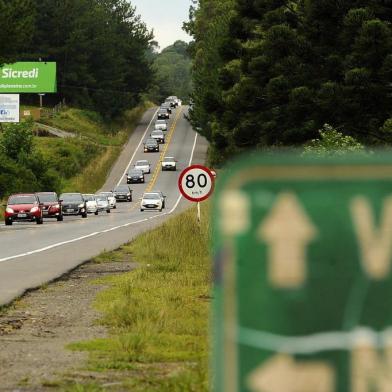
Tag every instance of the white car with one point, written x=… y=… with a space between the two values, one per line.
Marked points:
x=158 y=136
x=91 y=204
x=152 y=201
x=111 y=198
x=103 y=203
x=143 y=165
x=160 y=125
x=169 y=163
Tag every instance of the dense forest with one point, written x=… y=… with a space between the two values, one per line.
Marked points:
x=172 y=69
x=272 y=73
x=101 y=48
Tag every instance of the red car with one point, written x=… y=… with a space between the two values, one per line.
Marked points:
x=24 y=207
x=51 y=205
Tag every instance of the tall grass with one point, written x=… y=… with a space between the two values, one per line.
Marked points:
x=158 y=315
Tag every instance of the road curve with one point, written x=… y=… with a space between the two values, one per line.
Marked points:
x=31 y=255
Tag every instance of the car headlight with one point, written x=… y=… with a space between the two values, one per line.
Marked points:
x=56 y=206
x=34 y=209
x=81 y=205
x=9 y=210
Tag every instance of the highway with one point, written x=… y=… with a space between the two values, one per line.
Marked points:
x=31 y=255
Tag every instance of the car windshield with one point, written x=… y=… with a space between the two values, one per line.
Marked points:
x=70 y=197
x=164 y=111
x=161 y=122
x=107 y=194
x=156 y=133
x=153 y=141
x=135 y=173
x=121 y=188
x=47 y=197
x=141 y=163
x=88 y=197
x=22 y=199
x=168 y=159
x=101 y=198
x=151 y=196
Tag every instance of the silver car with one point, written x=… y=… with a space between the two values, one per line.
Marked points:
x=103 y=203
x=143 y=165
x=111 y=197
x=158 y=136
x=161 y=125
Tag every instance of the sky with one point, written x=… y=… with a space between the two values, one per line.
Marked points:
x=166 y=18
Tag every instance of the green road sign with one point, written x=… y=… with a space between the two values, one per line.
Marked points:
x=303 y=285
x=28 y=77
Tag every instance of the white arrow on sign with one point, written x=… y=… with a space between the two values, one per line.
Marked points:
x=287 y=231
x=283 y=374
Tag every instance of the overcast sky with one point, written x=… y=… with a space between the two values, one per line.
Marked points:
x=165 y=17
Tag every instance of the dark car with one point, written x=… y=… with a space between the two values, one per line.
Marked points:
x=151 y=145
x=51 y=205
x=23 y=208
x=163 y=114
x=135 y=176
x=73 y=204
x=122 y=193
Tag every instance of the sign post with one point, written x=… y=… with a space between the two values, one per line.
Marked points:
x=303 y=276
x=196 y=184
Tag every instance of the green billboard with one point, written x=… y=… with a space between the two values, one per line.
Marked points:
x=28 y=77
x=303 y=282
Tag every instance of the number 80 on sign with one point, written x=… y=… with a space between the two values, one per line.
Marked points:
x=196 y=183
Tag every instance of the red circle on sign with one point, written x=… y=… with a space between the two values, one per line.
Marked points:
x=185 y=172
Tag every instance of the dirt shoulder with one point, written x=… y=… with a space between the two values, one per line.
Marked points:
x=35 y=331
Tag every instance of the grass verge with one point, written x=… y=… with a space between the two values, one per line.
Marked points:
x=158 y=315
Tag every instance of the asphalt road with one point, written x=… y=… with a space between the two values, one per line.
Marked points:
x=31 y=255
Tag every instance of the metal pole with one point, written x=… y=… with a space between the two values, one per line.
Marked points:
x=198 y=213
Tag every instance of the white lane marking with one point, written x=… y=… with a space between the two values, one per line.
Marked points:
x=103 y=231
x=137 y=148
x=190 y=162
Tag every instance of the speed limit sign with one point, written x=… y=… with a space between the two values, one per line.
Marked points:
x=196 y=183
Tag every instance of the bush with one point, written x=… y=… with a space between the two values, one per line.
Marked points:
x=332 y=143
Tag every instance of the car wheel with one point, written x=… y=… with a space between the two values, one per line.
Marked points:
x=141 y=210
x=114 y=207
x=40 y=221
x=84 y=215
x=8 y=222
x=96 y=212
x=160 y=209
x=60 y=218
x=108 y=211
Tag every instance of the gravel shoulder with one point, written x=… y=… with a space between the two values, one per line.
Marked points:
x=36 y=329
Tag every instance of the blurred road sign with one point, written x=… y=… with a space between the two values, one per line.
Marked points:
x=9 y=108
x=196 y=183
x=303 y=257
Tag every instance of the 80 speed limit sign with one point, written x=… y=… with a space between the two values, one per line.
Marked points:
x=196 y=183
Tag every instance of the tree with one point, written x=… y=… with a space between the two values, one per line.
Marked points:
x=172 y=72
x=17 y=21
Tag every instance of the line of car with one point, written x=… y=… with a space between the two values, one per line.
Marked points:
x=34 y=207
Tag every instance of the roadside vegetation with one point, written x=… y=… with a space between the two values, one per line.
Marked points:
x=158 y=315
